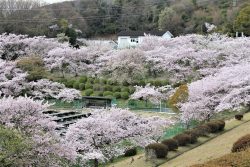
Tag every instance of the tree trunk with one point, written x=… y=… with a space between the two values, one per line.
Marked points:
x=96 y=164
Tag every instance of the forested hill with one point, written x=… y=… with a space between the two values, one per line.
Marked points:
x=105 y=17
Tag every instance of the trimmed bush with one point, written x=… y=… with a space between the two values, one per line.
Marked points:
x=88 y=92
x=81 y=86
x=238 y=116
x=221 y=124
x=165 y=82
x=103 y=81
x=107 y=93
x=83 y=79
x=116 y=89
x=203 y=130
x=241 y=144
x=157 y=83
x=108 y=88
x=111 y=82
x=213 y=126
x=193 y=135
x=130 y=152
x=98 y=93
x=117 y=95
x=124 y=95
x=96 y=81
x=182 y=139
x=97 y=87
x=159 y=149
x=171 y=144
x=91 y=80
x=88 y=85
x=131 y=89
x=125 y=89
x=125 y=83
x=70 y=83
x=76 y=85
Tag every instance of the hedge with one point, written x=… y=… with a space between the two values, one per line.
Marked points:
x=182 y=139
x=171 y=144
x=107 y=93
x=88 y=85
x=108 y=87
x=130 y=152
x=88 y=92
x=83 y=79
x=125 y=89
x=124 y=95
x=81 y=86
x=76 y=85
x=241 y=144
x=117 y=95
x=159 y=149
x=116 y=89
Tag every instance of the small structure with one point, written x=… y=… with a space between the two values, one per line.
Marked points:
x=130 y=39
x=96 y=102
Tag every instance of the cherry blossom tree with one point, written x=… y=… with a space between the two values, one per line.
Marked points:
x=151 y=93
x=46 y=147
x=12 y=79
x=126 y=65
x=228 y=89
x=100 y=137
x=45 y=89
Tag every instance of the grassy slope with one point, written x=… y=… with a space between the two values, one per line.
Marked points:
x=215 y=148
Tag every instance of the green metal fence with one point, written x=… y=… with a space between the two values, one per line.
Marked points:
x=177 y=129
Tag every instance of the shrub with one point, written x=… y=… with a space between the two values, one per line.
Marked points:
x=116 y=89
x=108 y=88
x=171 y=144
x=142 y=83
x=193 y=135
x=221 y=125
x=107 y=93
x=203 y=130
x=131 y=89
x=96 y=80
x=130 y=152
x=165 y=82
x=124 y=95
x=70 y=83
x=125 y=89
x=97 y=87
x=103 y=81
x=88 y=92
x=157 y=83
x=83 y=79
x=76 y=85
x=183 y=139
x=125 y=83
x=160 y=150
x=88 y=85
x=81 y=86
x=238 y=116
x=111 y=82
x=117 y=95
x=98 y=93
x=213 y=126
x=241 y=144
x=91 y=80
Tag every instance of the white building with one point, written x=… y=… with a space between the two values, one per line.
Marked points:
x=130 y=39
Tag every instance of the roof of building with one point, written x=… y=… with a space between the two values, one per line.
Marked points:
x=141 y=33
